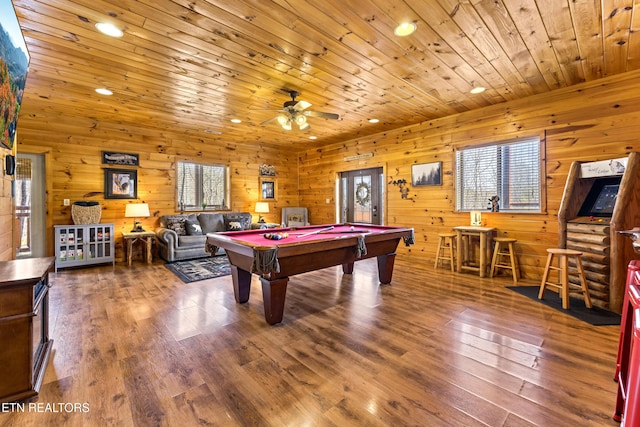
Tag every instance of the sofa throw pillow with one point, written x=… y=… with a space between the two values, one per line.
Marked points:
x=243 y=223
x=177 y=224
x=193 y=228
x=234 y=226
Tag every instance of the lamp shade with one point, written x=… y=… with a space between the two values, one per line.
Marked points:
x=136 y=210
x=262 y=207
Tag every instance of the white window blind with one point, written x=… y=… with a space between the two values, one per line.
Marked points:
x=509 y=170
x=202 y=186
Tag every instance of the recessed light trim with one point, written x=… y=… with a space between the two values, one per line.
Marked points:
x=477 y=89
x=236 y=121
x=374 y=120
x=104 y=91
x=313 y=137
x=109 y=29
x=405 y=29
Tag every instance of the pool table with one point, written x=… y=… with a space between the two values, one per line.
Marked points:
x=303 y=249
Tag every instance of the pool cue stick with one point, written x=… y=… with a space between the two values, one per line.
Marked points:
x=316 y=232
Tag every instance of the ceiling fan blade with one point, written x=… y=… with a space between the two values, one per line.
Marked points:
x=330 y=116
x=266 y=122
x=301 y=105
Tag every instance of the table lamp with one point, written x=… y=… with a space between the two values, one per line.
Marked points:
x=262 y=207
x=476 y=218
x=136 y=210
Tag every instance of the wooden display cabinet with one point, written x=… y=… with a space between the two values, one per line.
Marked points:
x=24 y=326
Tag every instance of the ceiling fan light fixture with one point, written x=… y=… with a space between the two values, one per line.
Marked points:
x=287 y=125
x=405 y=29
x=301 y=120
x=282 y=119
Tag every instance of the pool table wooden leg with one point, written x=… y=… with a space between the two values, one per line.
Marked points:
x=241 y=284
x=347 y=268
x=385 y=267
x=273 y=294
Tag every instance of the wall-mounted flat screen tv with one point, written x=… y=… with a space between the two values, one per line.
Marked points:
x=14 y=62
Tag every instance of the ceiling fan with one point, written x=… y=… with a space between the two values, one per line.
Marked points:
x=296 y=112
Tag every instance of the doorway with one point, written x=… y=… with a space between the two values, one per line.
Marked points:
x=361 y=196
x=30 y=205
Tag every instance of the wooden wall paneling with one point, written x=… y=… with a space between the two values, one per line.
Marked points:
x=77 y=171
x=591 y=122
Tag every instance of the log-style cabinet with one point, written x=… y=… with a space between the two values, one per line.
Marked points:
x=24 y=326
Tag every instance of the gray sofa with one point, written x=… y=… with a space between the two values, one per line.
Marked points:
x=183 y=236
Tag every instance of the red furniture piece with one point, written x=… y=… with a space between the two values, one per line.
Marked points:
x=628 y=363
x=302 y=249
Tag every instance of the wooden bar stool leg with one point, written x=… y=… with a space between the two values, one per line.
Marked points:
x=563 y=260
x=451 y=258
x=494 y=260
x=514 y=263
x=545 y=276
x=440 y=242
x=583 y=283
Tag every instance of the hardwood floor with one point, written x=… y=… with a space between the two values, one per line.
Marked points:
x=140 y=348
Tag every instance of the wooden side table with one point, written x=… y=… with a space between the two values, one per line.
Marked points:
x=464 y=233
x=130 y=237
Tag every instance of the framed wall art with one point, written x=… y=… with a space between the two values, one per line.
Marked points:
x=120 y=184
x=426 y=174
x=123 y=159
x=268 y=189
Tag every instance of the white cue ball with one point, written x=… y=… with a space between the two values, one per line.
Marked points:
x=352 y=228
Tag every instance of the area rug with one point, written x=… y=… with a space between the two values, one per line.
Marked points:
x=201 y=268
x=594 y=316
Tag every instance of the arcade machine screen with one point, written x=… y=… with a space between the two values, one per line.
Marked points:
x=601 y=199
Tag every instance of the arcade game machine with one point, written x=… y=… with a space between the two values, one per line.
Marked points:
x=600 y=199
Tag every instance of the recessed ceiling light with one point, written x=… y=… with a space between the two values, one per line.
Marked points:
x=109 y=29
x=104 y=91
x=405 y=29
x=373 y=120
x=477 y=89
x=313 y=137
x=236 y=121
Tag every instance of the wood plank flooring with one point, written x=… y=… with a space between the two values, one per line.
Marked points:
x=138 y=347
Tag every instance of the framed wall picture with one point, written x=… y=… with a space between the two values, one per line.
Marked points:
x=120 y=184
x=122 y=159
x=426 y=174
x=268 y=189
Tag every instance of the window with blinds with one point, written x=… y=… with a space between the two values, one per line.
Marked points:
x=202 y=186
x=509 y=170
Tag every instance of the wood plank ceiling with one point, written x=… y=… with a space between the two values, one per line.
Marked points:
x=193 y=65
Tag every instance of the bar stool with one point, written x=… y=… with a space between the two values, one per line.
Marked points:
x=446 y=243
x=504 y=257
x=564 y=287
